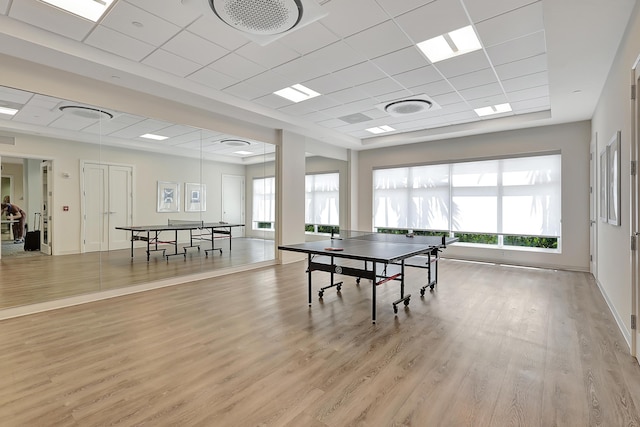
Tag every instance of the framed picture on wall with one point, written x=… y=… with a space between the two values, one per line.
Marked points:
x=195 y=197
x=604 y=188
x=613 y=180
x=168 y=196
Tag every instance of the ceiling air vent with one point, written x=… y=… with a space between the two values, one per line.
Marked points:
x=408 y=106
x=264 y=21
x=235 y=142
x=86 y=112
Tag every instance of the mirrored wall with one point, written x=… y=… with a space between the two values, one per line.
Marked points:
x=119 y=200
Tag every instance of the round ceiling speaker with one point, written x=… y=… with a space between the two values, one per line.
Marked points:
x=260 y=17
x=408 y=106
x=86 y=112
x=235 y=142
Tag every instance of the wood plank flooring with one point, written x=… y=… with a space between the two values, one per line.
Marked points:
x=491 y=346
x=37 y=279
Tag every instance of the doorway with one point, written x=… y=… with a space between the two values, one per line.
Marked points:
x=634 y=217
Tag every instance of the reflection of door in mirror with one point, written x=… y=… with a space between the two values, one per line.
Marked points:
x=45 y=217
x=6 y=189
x=107 y=203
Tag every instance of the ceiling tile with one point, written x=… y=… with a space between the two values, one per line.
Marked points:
x=316 y=117
x=50 y=18
x=171 y=63
x=349 y=95
x=268 y=56
x=531 y=105
x=450 y=16
x=332 y=123
x=270 y=82
x=531 y=93
x=146 y=126
x=360 y=73
x=119 y=44
x=194 y=48
x=236 y=66
x=446 y=99
x=321 y=103
x=153 y=30
x=488 y=101
x=463 y=64
x=180 y=13
x=526 y=82
x=512 y=25
x=14 y=95
x=485 y=9
x=327 y=84
x=4 y=6
x=341 y=12
x=244 y=91
x=418 y=77
x=403 y=60
x=518 y=49
x=476 y=78
x=272 y=101
x=352 y=108
x=434 y=88
x=395 y=7
x=211 y=28
x=534 y=64
x=299 y=109
x=309 y=38
x=380 y=87
x=484 y=91
x=212 y=78
x=335 y=57
x=379 y=40
x=300 y=70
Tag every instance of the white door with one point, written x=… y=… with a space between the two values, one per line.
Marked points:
x=233 y=202
x=593 y=209
x=46 y=217
x=107 y=195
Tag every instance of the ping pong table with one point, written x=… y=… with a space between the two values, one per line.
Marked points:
x=380 y=253
x=198 y=231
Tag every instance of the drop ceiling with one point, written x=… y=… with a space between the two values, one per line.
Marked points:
x=542 y=57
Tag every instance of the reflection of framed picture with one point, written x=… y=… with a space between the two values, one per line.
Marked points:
x=613 y=180
x=195 y=197
x=604 y=188
x=168 y=196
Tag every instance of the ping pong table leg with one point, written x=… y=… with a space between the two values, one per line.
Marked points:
x=373 y=294
x=309 y=277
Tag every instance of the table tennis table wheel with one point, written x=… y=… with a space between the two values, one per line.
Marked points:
x=320 y=294
x=358 y=281
x=338 y=287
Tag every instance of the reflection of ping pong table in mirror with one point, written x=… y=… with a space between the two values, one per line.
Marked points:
x=198 y=231
x=378 y=251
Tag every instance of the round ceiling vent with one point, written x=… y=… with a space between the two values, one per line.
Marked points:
x=86 y=112
x=260 y=17
x=408 y=106
x=235 y=142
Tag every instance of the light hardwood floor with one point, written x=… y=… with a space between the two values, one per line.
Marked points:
x=491 y=346
x=40 y=278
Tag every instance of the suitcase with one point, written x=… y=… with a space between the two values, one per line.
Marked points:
x=32 y=238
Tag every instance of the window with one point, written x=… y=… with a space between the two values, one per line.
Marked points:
x=264 y=203
x=511 y=202
x=322 y=202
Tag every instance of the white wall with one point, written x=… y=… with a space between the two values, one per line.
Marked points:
x=613 y=113
x=572 y=140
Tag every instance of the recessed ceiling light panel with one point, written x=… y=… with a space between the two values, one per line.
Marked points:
x=154 y=137
x=88 y=9
x=449 y=45
x=409 y=106
x=8 y=111
x=494 y=109
x=297 y=93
